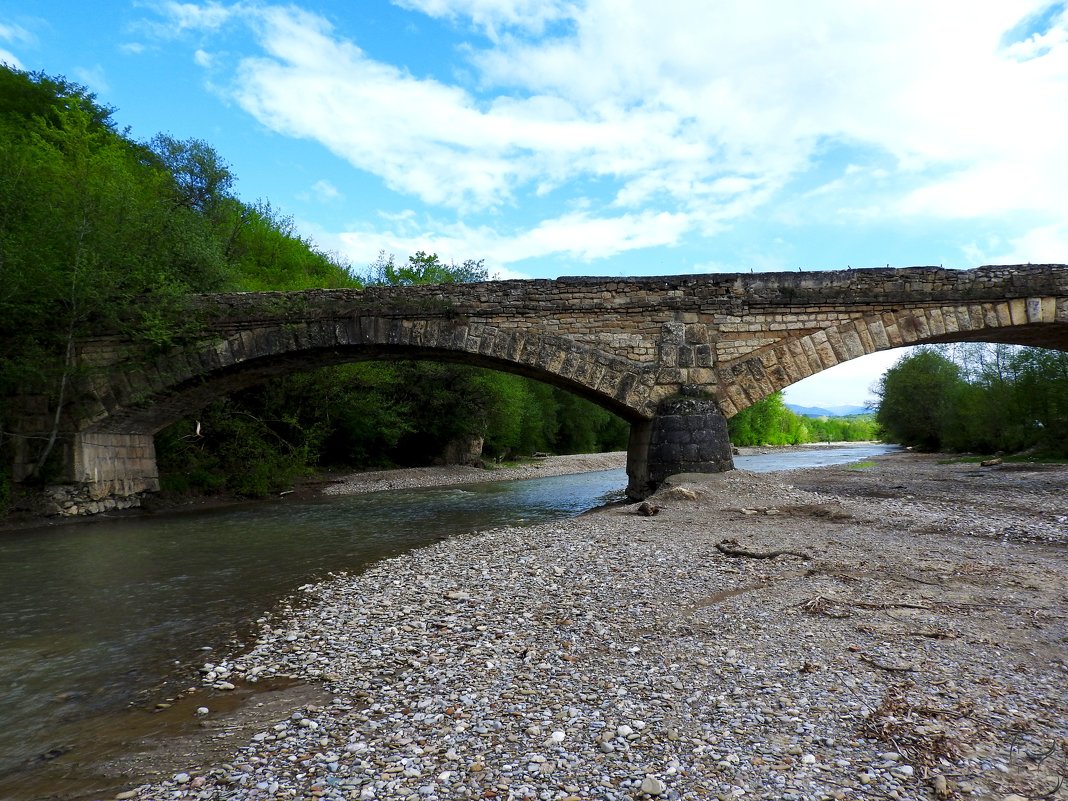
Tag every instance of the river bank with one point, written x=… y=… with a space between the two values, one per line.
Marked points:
x=912 y=646
x=419 y=477
x=451 y=475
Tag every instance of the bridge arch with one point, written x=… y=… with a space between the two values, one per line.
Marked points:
x=1031 y=321
x=147 y=398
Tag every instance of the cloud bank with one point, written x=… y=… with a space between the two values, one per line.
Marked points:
x=630 y=125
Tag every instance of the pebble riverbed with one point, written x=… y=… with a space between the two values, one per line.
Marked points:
x=621 y=657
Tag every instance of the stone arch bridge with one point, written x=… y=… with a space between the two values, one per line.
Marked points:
x=674 y=356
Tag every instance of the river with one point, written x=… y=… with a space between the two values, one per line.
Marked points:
x=98 y=617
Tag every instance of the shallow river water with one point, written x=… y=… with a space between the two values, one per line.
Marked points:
x=94 y=617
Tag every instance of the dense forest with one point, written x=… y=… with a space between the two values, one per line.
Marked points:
x=97 y=229
x=978 y=398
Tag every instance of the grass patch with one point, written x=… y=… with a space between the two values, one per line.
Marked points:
x=1020 y=458
x=860 y=465
x=1036 y=459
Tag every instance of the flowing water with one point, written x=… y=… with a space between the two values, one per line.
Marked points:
x=94 y=617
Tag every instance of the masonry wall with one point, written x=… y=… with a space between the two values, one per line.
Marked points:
x=632 y=341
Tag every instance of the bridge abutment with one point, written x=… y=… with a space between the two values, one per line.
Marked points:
x=101 y=471
x=687 y=435
x=116 y=465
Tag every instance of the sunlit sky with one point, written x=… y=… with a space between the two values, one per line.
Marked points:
x=607 y=137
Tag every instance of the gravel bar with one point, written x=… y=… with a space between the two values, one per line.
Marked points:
x=413 y=477
x=914 y=646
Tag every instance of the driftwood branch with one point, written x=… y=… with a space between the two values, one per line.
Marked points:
x=731 y=548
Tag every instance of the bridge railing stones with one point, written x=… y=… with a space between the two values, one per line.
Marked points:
x=631 y=344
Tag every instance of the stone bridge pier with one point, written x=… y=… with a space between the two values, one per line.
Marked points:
x=688 y=434
x=675 y=356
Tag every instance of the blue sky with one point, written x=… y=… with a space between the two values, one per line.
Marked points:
x=608 y=137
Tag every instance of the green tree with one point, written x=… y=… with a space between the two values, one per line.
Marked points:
x=86 y=239
x=424 y=268
x=767 y=422
x=202 y=181
x=98 y=230
x=979 y=397
x=917 y=397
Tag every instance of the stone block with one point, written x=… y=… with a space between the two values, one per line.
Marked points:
x=1018 y=311
x=851 y=343
x=1049 y=310
x=673 y=333
x=824 y=351
x=696 y=334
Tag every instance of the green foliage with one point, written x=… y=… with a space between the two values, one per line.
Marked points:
x=98 y=230
x=767 y=422
x=87 y=237
x=423 y=268
x=229 y=448
x=770 y=422
x=265 y=252
x=917 y=396
x=978 y=397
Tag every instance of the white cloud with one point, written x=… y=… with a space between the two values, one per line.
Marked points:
x=14 y=34
x=691 y=114
x=577 y=236
x=1047 y=244
x=9 y=32
x=9 y=58
x=93 y=78
x=193 y=16
x=326 y=192
x=494 y=15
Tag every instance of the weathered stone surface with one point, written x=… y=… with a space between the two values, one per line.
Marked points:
x=688 y=435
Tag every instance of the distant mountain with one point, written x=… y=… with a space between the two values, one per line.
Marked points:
x=829 y=411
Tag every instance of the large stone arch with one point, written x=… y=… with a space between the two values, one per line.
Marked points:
x=144 y=398
x=112 y=452
x=1031 y=321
